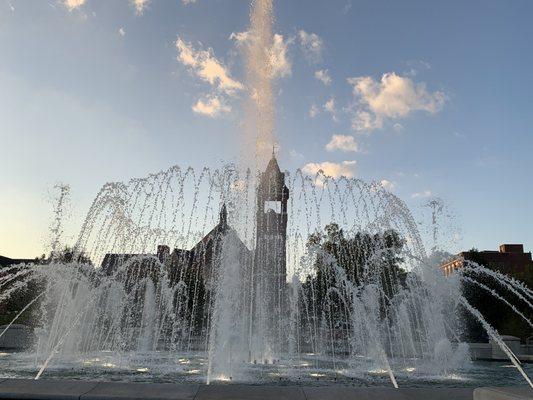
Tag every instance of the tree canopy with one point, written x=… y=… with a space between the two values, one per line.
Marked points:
x=364 y=258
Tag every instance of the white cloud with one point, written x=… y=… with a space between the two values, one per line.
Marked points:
x=73 y=4
x=205 y=65
x=365 y=121
x=312 y=45
x=295 y=154
x=330 y=107
x=423 y=194
x=347 y=7
x=140 y=6
x=313 y=111
x=343 y=143
x=387 y=185
x=397 y=127
x=323 y=76
x=281 y=65
x=186 y=2
x=121 y=32
x=416 y=66
x=331 y=169
x=240 y=37
x=393 y=97
x=279 y=52
x=211 y=107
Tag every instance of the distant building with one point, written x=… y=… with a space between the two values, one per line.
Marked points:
x=263 y=269
x=200 y=260
x=510 y=260
x=269 y=272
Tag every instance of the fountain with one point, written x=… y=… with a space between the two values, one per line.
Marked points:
x=231 y=275
x=309 y=282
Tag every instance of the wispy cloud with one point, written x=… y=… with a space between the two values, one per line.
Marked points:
x=393 y=97
x=207 y=67
x=312 y=45
x=281 y=65
x=212 y=107
x=295 y=154
x=323 y=76
x=347 y=7
x=73 y=4
x=416 y=66
x=186 y=2
x=140 y=6
x=344 y=143
x=331 y=108
x=240 y=38
x=313 y=111
x=331 y=169
x=423 y=194
x=397 y=127
x=387 y=185
x=203 y=64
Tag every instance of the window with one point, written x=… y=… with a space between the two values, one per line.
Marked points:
x=273 y=205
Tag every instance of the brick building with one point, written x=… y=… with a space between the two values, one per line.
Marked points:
x=510 y=259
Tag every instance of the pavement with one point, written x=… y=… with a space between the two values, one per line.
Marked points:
x=84 y=390
x=509 y=393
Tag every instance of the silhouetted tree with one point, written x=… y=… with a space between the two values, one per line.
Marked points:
x=364 y=258
x=69 y=255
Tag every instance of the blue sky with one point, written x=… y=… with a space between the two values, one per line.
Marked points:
x=432 y=98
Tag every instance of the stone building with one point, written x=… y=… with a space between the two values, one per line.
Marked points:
x=197 y=267
x=270 y=267
x=264 y=270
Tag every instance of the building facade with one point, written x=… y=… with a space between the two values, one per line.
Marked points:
x=269 y=273
x=510 y=259
x=263 y=270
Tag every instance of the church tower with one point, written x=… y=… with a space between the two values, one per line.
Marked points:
x=270 y=266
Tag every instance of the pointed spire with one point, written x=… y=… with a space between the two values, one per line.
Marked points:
x=223 y=215
x=273 y=166
x=273 y=163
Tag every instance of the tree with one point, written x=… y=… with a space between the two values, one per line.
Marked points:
x=69 y=255
x=364 y=259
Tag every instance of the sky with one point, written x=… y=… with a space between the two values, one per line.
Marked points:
x=432 y=99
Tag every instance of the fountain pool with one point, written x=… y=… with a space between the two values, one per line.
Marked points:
x=309 y=370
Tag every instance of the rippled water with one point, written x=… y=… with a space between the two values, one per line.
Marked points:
x=165 y=367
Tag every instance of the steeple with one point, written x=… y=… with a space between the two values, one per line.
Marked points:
x=223 y=220
x=270 y=266
x=272 y=166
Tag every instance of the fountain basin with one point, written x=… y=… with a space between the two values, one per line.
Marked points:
x=310 y=370
x=68 y=389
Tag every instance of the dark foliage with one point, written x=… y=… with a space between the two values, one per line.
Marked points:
x=364 y=258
